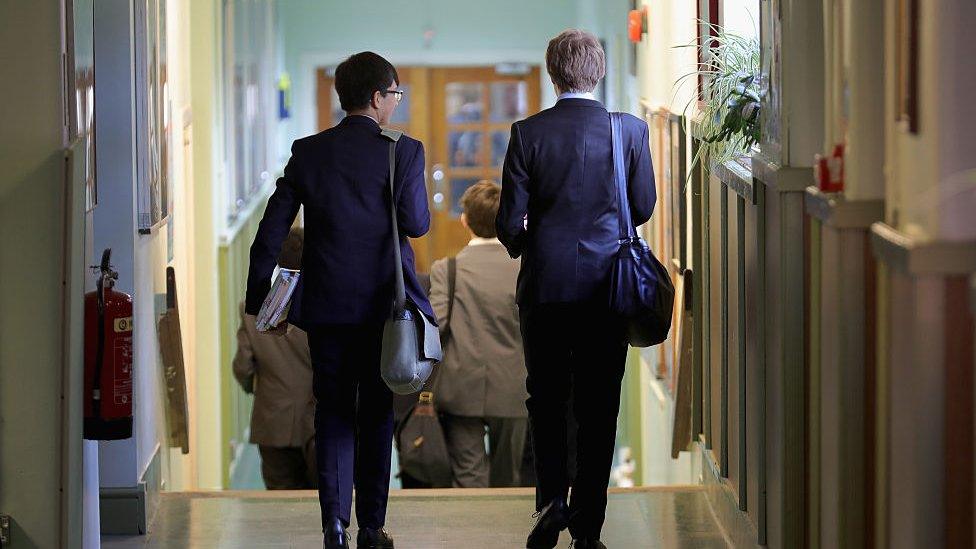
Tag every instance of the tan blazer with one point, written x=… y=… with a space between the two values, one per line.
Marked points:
x=483 y=372
x=278 y=370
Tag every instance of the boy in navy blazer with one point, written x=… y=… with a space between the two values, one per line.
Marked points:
x=341 y=178
x=559 y=214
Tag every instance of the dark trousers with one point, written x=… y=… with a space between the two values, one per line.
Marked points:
x=289 y=468
x=575 y=353
x=353 y=422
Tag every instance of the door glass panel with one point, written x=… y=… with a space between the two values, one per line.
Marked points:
x=509 y=101
x=499 y=145
x=464 y=148
x=458 y=186
x=401 y=114
x=465 y=102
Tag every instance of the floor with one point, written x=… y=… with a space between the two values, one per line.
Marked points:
x=667 y=517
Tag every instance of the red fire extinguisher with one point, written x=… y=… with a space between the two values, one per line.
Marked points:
x=108 y=358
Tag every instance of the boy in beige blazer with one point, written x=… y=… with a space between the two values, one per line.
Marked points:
x=278 y=371
x=481 y=382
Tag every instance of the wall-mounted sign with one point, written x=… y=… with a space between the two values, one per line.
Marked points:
x=284 y=97
x=517 y=69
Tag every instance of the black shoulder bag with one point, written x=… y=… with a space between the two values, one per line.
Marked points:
x=641 y=291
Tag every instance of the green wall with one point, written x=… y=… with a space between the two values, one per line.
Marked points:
x=233 y=259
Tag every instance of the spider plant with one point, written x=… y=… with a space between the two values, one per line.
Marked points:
x=731 y=95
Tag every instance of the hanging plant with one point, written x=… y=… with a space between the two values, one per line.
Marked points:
x=731 y=95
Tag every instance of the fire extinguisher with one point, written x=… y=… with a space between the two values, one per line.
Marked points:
x=108 y=358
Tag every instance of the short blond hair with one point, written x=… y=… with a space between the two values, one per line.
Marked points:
x=575 y=61
x=480 y=206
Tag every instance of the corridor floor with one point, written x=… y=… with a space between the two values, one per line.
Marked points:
x=664 y=517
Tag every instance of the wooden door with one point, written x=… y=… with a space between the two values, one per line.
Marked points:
x=473 y=110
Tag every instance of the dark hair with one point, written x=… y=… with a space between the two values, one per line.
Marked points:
x=480 y=205
x=357 y=78
x=290 y=256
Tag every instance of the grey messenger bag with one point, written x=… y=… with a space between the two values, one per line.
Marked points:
x=411 y=343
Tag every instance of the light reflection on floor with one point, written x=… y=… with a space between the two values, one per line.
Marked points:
x=668 y=517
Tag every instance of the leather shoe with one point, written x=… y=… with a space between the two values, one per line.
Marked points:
x=588 y=543
x=336 y=536
x=551 y=520
x=374 y=538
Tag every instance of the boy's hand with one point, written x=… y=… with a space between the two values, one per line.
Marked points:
x=279 y=330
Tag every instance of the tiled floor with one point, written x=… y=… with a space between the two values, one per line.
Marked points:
x=676 y=517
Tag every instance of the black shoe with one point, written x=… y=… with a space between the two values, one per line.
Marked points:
x=336 y=536
x=588 y=543
x=374 y=538
x=551 y=520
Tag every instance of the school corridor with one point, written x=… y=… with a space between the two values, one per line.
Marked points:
x=815 y=173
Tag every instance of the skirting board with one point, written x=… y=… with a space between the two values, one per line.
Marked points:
x=130 y=510
x=736 y=524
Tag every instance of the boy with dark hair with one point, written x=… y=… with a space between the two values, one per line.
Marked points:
x=361 y=76
x=341 y=177
x=481 y=383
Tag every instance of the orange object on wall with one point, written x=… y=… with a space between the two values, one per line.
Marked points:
x=635 y=24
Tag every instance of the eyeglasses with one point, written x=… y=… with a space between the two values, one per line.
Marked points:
x=397 y=93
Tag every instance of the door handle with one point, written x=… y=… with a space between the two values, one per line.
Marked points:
x=439 y=197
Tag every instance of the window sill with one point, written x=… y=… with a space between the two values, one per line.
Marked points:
x=736 y=174
x=245 y=213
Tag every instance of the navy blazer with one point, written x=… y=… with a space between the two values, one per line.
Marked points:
x=341 y=177
x=559 y=171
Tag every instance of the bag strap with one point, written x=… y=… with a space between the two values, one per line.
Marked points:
x=400 y=293
x=427 y=392
x=451 y=284
x=627 y=231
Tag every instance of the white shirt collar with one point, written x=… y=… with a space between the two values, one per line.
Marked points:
x=479 y=241
x=366 y=115
x=576 y=95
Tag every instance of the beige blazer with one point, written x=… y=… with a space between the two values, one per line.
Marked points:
x=483 y=372
x=278 y=370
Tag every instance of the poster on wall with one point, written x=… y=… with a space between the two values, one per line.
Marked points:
x=164 y=113
x=678 y=182
x=152 y=129
x=81 y=73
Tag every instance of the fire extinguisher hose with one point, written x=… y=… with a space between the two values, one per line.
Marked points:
x=99 y=350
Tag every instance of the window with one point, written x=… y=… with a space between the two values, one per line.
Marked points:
x=741 y=17
x=249 y=102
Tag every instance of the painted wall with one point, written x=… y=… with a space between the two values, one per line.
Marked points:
x=660 y=61
x=922 y=197
x=320 y=33
x=204 y=72
x=36 y=431
x=142 y=259
x=957 y=119
x=187 y=242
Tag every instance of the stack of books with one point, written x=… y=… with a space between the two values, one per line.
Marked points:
x=274 y=310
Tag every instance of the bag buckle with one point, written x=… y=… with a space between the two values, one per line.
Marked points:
x=426 y=397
